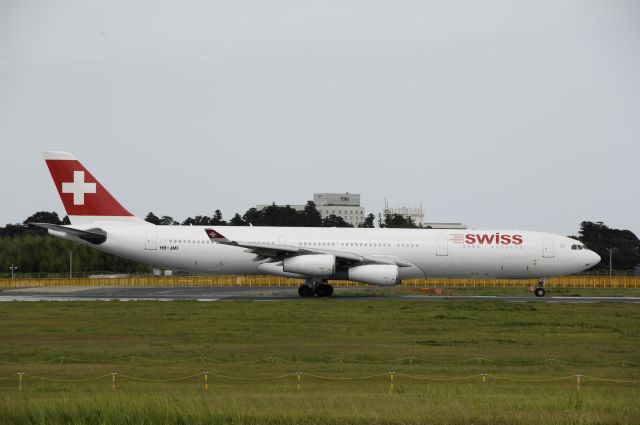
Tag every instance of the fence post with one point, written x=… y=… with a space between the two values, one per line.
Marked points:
x=391 y=373
x=578 y=375
x=206 y=379
x=299 y=377
x=20 y=380
x=484 y=377
x=113 y=380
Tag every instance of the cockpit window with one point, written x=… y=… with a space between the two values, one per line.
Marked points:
x=574 y=247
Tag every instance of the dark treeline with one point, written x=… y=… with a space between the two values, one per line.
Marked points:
x=600 y=238
x=33 y=251
x=274 y=215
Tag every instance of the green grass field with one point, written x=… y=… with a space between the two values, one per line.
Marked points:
x=165 y=340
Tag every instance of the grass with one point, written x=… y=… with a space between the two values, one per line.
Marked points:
x=166 y=341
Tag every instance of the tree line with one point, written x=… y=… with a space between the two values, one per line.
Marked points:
x=600 y=239
x=33 y=251
x=274 y=215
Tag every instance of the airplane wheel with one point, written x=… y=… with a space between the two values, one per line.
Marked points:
x=539 y=292
x=324 y=290
x=305 y=291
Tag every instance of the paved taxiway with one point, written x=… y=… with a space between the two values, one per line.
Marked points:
x=253 y=293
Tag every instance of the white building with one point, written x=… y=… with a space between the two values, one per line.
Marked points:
x=345 y=205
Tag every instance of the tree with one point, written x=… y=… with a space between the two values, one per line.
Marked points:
x=152 y=218
x=13 y=230
x=398 y=220
x=274 y=215
x=236 y=220
x=166 y=220
x=217 y=219
x=368 y=221
x=43 y=217
x=334 y=221
x=199 y=220
x=188 y=222
x=310 y=216
x=253 y=216
x=599 y=238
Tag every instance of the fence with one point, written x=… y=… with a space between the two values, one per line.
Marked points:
x=555 y=282
x=114 y=378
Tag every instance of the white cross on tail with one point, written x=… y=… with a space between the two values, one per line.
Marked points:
x=78 y=188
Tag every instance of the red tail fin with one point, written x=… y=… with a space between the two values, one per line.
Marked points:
x=82 y=194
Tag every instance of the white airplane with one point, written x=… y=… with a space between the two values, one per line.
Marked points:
x=381 y=257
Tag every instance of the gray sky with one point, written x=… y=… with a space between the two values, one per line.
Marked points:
x=497 y=114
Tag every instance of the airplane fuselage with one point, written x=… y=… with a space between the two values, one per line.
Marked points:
x=430 y=252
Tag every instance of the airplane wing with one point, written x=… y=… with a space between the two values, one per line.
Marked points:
x=278 y=252
x=95 y=236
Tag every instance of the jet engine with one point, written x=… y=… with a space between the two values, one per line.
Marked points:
x=317 y=265
x=375 y=274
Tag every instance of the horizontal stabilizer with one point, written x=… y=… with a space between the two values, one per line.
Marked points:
x=95 y=236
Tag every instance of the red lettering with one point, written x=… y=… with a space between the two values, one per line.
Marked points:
x=485 y=238
x=495 y=238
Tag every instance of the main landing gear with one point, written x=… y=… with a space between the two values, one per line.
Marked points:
x=539 y=291
x=315 y=287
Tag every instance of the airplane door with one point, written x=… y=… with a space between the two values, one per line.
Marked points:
x=547 y=248
x=151 y=243
x=442 y=247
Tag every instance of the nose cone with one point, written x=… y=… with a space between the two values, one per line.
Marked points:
x=593 y=259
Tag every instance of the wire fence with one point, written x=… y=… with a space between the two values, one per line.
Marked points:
x=268 y=281
x=116 y=379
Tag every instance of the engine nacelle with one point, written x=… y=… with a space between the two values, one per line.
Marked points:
x=375 y=274
x=319 y=265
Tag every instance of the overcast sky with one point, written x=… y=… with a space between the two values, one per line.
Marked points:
x=500 y=114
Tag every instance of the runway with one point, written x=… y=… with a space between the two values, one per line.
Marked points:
x=253 y=293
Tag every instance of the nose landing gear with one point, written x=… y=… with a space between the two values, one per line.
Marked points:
x=539 y=291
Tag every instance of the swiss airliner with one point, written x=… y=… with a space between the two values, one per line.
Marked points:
x=374 y=256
